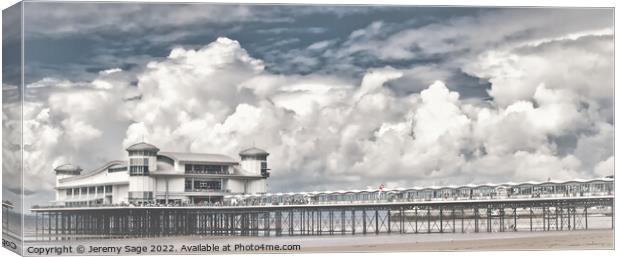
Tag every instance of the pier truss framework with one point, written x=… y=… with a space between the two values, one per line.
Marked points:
x=298 y=220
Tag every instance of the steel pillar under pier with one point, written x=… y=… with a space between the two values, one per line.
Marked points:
x=364 y=222
x=462 y=220
x=353 y=218
x=401 y=216
x=376 y=221
x=428 y=220
x=440 y=220
x=416 y=219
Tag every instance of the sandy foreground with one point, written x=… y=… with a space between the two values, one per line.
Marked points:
x=551 y=240
x=584 y=240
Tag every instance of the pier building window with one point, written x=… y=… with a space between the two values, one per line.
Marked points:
x=138 y=170
x=513 y=190
x=464 y=192
x=69 y=192
x=108 y=189
x=83 y=190
x=571 y=190
x=410 y=195
x=560 y=189
x=207 y=185
x=547 y=189
x=139 y=161
x=365 y=197
x=349 y=197
x=91 y=190
x=609 y=187
x=140 y=196
x=486 y=191
x=188 y=184
x=596 y=187
x=73 y=204
x=525 y=190
x=206 y=169
x=138 y=166
x=425 y=195
x=192 y=184
x=446 y=193
x=585 y=188
x=141 y=153
x=416 y=195
x=263 y=168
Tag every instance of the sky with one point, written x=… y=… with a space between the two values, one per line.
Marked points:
x=342 y=97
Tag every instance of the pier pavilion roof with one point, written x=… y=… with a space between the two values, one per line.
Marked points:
x=142 y=147
x=253 y=151
x=418 y=188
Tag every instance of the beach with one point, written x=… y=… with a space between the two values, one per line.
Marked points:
x=581 y=240
x=549 y=240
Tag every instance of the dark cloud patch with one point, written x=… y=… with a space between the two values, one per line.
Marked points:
x=11 y=45
x=469 y=86
x=101 y=35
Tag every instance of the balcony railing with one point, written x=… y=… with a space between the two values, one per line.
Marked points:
x=198 y=172
x=208 y=190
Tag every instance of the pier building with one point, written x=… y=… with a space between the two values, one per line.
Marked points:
x=151 y=176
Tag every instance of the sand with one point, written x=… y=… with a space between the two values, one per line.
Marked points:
x=550 y=240
x=582 y=240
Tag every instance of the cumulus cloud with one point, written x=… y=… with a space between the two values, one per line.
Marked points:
x=581 y=65
x=323 y=131
x=605 y=168
x=427 y=136
x=69 y=122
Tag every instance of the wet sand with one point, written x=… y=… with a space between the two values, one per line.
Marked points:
x=550 y=240
x=581 y=240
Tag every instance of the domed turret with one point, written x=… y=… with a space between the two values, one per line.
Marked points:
x=142 y=146
x=142 y=161
x=254 y=160
x=253 y=152
x=142 y=158
x=68 y=169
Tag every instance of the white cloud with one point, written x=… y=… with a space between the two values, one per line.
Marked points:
x=439 y=115
x=325 y=132
x=110 y=71
x=582 y=66
x=605 y=168
x=321 y=45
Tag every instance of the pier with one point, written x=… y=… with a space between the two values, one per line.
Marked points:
x=441 y=216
